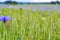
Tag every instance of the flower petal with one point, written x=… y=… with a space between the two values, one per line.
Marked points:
x=1 y=18
x=8 y=18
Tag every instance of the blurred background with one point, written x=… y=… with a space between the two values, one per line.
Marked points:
x=30 y=19
x=32 y=4
x=31 y=1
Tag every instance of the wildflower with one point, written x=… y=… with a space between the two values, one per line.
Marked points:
x=58 y=7
x=44 y=18
x=42 y=8
x=5 y=18
x=14 y=19
x=34 y=10
x=10 y=6
x=48 y=8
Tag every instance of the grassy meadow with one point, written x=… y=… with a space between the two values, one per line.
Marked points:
x=30 y=25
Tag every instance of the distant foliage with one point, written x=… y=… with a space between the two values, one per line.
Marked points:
x=10 y=2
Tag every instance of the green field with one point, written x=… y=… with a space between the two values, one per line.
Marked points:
x=30 y=25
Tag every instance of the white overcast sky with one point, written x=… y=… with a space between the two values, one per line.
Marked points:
x=30 y=0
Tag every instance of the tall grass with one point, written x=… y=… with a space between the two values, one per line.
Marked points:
x=30 y=25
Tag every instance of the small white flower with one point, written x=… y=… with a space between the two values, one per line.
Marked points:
x=44 y=18
x=10 y=6
x=14 y=19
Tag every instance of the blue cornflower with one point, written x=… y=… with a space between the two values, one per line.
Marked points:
x=48 y=8
x=5 y=18
x=42 y=8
